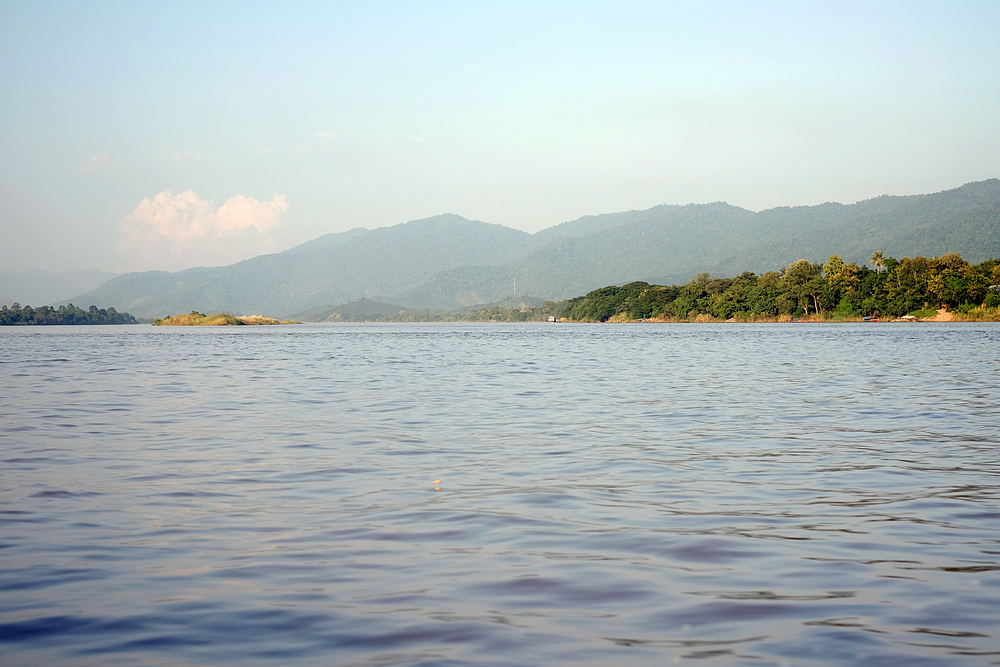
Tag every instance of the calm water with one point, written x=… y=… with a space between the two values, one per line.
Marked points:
x=607 y=494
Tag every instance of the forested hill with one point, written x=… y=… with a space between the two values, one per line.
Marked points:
x=448 y=262
x=331 y=270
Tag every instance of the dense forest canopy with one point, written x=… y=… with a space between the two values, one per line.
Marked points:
x=893 y=288
x=68 y=314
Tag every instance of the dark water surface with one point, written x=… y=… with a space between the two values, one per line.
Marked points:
x=608 y=495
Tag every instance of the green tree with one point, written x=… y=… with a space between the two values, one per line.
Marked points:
x=878 y=261
x=833 y=267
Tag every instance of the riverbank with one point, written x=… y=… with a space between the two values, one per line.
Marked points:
x=940 y=315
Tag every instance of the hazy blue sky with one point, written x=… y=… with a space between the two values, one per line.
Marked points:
x=160 y=136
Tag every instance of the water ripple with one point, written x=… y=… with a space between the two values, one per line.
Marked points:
x=500 y=495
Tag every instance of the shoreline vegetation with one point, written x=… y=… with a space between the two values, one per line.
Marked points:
x=17 y=315
x=529 y=314
x=945 y=288
x=940 y=315
x=196 y=319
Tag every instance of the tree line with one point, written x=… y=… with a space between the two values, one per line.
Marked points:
x=68 y=314
x=827 y=290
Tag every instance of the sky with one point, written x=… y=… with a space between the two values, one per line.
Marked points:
x=161 y=136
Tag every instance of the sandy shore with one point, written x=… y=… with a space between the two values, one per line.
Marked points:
x=941 y=316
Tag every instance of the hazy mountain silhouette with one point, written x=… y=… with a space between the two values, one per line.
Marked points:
x=448 y=262
x=43 y=288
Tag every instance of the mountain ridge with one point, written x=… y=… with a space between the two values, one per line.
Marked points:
x=448 y=262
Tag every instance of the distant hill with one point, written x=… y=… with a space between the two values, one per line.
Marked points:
x=356 y=311
x=366 y=310
x=328 y=241
x=447 y=262
x=330 y=270
x=44 y=288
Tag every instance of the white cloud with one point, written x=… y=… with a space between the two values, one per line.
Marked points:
x=173 y=232
x=242 y=212
x=94 y=163
x=326 y=136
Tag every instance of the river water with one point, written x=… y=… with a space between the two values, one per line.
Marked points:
x=500 y=495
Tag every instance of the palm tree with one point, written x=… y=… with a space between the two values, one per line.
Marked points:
x=878 y=260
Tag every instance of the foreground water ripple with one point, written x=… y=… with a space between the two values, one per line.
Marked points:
x=500 y=495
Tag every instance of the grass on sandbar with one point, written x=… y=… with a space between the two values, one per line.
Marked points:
x=196 y=319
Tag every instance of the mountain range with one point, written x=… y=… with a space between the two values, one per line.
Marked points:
x=37 y=287
x=448 y=262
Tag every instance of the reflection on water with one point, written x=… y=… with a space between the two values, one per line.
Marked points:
x=500 y=495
